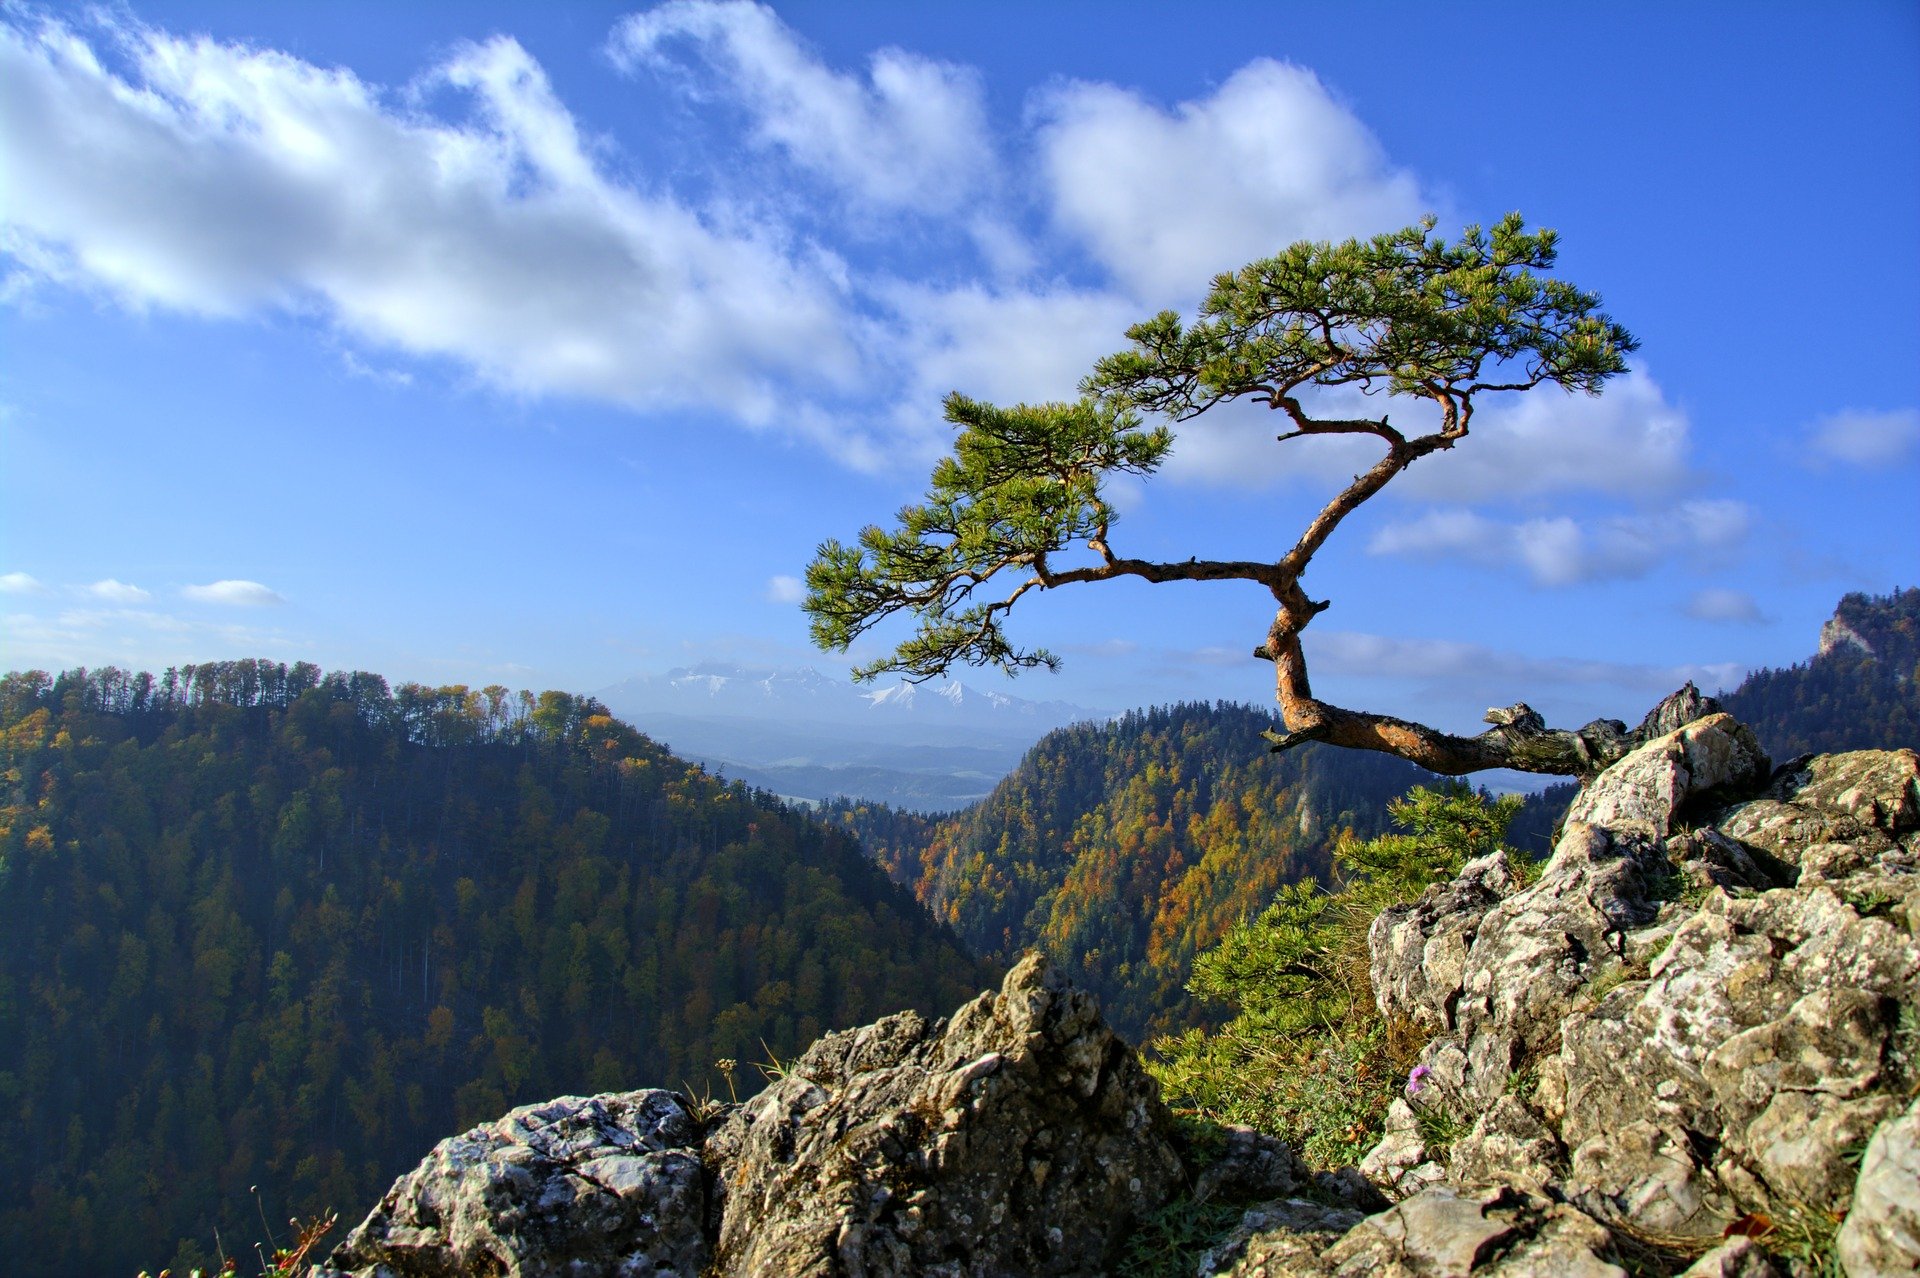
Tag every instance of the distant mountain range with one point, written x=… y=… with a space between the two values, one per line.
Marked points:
x=932 y=747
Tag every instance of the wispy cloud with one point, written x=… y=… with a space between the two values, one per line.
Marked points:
x=239 y=594
x=1358 y=654
x=20 y=583
x=471 y=216
x=1723 y=605
x=1562 y=551
x=226 y=180
x=116 y=592
x=911 y=134
x=136 y=638
x=785 y=590
x=1861 y=438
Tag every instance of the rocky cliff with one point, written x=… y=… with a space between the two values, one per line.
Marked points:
x=1692 y=1044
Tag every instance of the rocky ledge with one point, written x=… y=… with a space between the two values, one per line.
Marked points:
x=1693 y=1043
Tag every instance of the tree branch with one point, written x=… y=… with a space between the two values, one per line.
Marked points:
x=1519 y=738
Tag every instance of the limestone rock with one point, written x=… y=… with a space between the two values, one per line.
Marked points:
x=1882 y=1233
x=1712 y=994
x=1399 y=1163
x=1444 y=1232
x=1298 y=1227
x=1508 y=1145
x=1021 y=1137
x=608 y=1184
x=1657 y=783
x=1252 y=1165
x=1649 y=1174
x=1419 y=951
x=1735 y=1258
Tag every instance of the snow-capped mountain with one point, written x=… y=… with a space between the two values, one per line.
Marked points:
x=799 y=692
x=800 y=732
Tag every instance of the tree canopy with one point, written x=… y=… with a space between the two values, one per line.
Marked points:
x=1018 y=506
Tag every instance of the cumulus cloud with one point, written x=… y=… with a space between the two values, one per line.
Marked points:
x=785 y=590
x=1234 y=445
x=1562 y=551
x=117 y=592
x=1860 y=438
x=20 y=583
x=1166 y=199
x=239 y=594
x=912 y=135
x=1719 y=604
x=1627 y=441
x=1008 y=346
x=224 y=180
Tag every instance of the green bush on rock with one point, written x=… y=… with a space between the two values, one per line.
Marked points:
x=1308 y=1056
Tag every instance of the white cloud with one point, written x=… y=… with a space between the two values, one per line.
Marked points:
x=1860 y=438
x=1168 y=199
x=239 y=594
x=1627 y=441
x=1356 y=654
x=1007 y=346
x=135 y=638
x=117 y=592
x=225 y=180
x=912 y=135
x=1561 y=551
x=1720 y=604
x=20 y=583
x=1235 y=445
x=785 y=590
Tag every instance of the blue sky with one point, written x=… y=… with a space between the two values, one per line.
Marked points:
x=542 y=344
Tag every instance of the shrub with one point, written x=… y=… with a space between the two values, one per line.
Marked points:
x=1308 y=1056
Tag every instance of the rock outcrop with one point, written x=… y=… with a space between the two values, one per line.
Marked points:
x=1019 y=1137
x=1692 y=1043
x=601 y=1185
x=1701 y=1019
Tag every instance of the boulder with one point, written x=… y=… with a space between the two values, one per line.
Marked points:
x=1442 y=1232
x=1657 y=784
x=1881 y=1235
x=1020 y=1137
x=1735 y=1258
x=605 y=1185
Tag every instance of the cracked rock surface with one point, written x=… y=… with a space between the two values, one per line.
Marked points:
x=1021 y=1136
x=580 y=1185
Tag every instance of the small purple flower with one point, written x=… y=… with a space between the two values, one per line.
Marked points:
x=1417 y=1079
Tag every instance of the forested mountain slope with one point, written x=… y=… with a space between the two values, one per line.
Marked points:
x=1123 y=848
x=264 y=927
x=1860 y=692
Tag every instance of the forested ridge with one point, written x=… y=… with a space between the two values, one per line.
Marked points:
x=1123 y=848
x=1861 y=693
x=265 y=926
